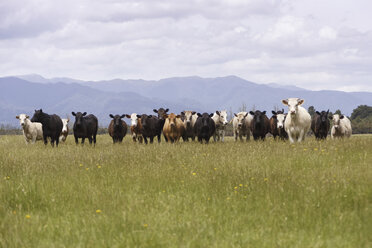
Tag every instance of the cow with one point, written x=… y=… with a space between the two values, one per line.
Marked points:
x=220 y=120
x=274 y=123
x=260 y=124
x=320 y=124
x=341 y=127
x=280 y=118
x=135 y=127
x=298 y=120
x=174 y=128
x=189 y=119
x=117 y=128
x=204 y=127
x=32 y=131
x=150 y=127
x=161 y=112
x=242 y=125
x=65 y=130
x=51 y=125
x=85 y=126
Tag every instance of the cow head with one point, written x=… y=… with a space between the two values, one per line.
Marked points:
x=79 y=117
x=240 y=117
x=133 y=119
x=222 y=117
x=258 y=117
x=280 y=118
x=188 y=117
x=38 y=115
x=22 y=119
x=336 y=120
x=293 y=104
x=161 y=112
x=65 y=125
x=118 y=122
x=205 y=119
x=145 y=120
x=323 y=116
x=172 y=119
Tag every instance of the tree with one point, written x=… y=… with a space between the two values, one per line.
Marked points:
x=362 y=112
x=361 y=119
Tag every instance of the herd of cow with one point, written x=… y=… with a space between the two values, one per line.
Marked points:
x=188 y=124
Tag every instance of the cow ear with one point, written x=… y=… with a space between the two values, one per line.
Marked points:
x=285 y=101
x=218 y=112
x=199 y=115
x=128 y=116
x=41 y=110
x=342 y=116
x=193 y=112
x=150 y=116
x=68 y=120
x=17 y=116
x=264 y=112
x=235 y=115
x=251 y=112
x=122 y=116
x=111 y=115
x=73 y=113
x=178 y=116
x=138 y=116
x=273 y=112
x=27 y=116
x=317 y=112
x=246 y=114
x=211 y=115
x=166 y=110
x=165 y=116
x=155 y=110
x=84 y=114
x=300 y=101
x=274 y=117
x=330 y=117
x=282 y=110
x=182 y=113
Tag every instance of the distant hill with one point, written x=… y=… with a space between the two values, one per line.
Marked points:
x=63 y=95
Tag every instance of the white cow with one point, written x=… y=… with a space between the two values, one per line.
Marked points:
x=65 y=130
x=242 y=125
x=189 y=119
x=341 y=127
x=32 y=131
x=220 y=119
x=135 y=127
x=298 y=120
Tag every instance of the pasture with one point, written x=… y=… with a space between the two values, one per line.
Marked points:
x=256 y=194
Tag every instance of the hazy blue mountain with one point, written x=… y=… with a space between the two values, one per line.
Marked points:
x=63 y=95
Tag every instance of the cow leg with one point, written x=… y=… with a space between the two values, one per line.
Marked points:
x=94 y=139
x=82 y=141
x=193 y=138
x=34 y=139
x=45 y=138
x=140 y=139
x=152 y=139
x=207 y=140
x=301 y=137
x=90 y=140
x=52 y=141
x=76 y=140
x=290 y=138
x=145 y=139
x=134 y=138
x=200 y=139
x=57 y=140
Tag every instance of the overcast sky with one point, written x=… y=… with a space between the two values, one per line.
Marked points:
x=313 y=44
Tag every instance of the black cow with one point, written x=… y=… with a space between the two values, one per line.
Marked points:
x=85 y=126
x=260 y=124
x=117 y=128
x=320 y=124
x=204 y=127
x=52 y=126
x=150 y=127
x=161 y=112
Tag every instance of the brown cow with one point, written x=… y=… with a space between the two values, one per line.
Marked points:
x=174 y=128
x=136 y=127
x=274 y=123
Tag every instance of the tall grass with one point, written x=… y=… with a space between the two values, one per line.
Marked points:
x=256 y=194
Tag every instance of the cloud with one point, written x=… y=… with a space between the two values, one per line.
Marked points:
x=281 y=41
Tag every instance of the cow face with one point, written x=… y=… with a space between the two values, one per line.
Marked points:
x=293 y=104
x=161 y=112
x=65 y=125
x=280 y=121
x=222 y=117
x=258 y=117
x=22 y=119
x=145 y=120
x=205 y=118
x=172 y=119
x=37 y=116
x=133 y=119
x=241 y=118
x=336 y=120
x=118 y=122
x=79 y=118
x=188 y=117
x=323 y=116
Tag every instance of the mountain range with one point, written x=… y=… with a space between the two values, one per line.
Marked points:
x=23 y=94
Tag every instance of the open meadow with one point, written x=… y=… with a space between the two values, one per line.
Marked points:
x=255 y=194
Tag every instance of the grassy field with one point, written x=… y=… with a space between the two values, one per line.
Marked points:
x=256 y=194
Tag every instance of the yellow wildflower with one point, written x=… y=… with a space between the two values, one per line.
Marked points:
x=240 y=185
x=194 y=173
x=28 y=216
x=145 y=225
x=98 y=211
x=266 y=179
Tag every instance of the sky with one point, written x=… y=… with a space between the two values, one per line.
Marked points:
x=311 y=44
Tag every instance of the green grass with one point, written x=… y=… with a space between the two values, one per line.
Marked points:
x=256 y=194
